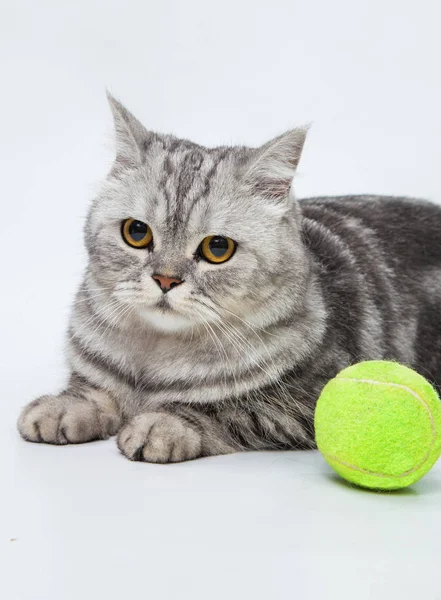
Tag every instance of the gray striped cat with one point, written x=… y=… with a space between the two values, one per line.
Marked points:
x=215 y=306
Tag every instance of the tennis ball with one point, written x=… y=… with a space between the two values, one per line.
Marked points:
x=378 y=424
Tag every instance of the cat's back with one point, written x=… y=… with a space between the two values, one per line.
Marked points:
x=406 y=231
x=378 y=260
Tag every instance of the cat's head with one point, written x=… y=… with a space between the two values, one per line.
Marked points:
x=185 y=235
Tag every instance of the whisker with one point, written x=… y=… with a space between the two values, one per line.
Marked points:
x=227 y=359
x=91 y=297
x=116 y=316
x=244 y=345
x=244 y=320
x=95 y=318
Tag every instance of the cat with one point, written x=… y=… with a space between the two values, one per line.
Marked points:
x=215 y=306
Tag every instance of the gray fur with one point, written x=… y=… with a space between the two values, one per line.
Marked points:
x=235 y=357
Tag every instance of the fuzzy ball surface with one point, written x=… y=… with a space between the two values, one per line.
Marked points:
x=378 y=424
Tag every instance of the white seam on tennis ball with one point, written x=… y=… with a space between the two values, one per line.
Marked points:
x=415 y=395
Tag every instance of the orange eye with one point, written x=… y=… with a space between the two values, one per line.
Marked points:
x=136 y=233
x=217 y=249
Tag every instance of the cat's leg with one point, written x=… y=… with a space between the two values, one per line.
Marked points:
x=165 y=437
x=179 y=433
x=81 y=413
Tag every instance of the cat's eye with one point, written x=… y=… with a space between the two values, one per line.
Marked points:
x=136 y=233
x=217 y=249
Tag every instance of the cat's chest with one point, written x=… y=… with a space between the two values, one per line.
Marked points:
x=170 y=359
x=150 y=372
x=160 y=370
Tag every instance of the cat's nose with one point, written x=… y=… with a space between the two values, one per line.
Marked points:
x=166 y=283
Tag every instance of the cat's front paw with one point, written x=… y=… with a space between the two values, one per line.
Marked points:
x=67 y=419
x=159 y=438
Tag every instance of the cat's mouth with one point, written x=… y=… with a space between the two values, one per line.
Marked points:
x=164 y=305
x=165 y=317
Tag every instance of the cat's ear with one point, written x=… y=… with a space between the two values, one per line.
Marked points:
x=131 y=135
x=273 y=167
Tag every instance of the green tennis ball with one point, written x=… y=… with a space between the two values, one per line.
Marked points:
x=378 y=424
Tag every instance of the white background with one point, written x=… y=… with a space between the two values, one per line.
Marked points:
x=87 y=523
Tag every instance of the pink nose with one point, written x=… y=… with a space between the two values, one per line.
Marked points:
x=166 y=283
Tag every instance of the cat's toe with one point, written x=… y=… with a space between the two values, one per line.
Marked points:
x=65 y=420
x=159 y=438
x=40 y=421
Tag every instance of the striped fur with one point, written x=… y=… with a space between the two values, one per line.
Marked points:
x=235 y=357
